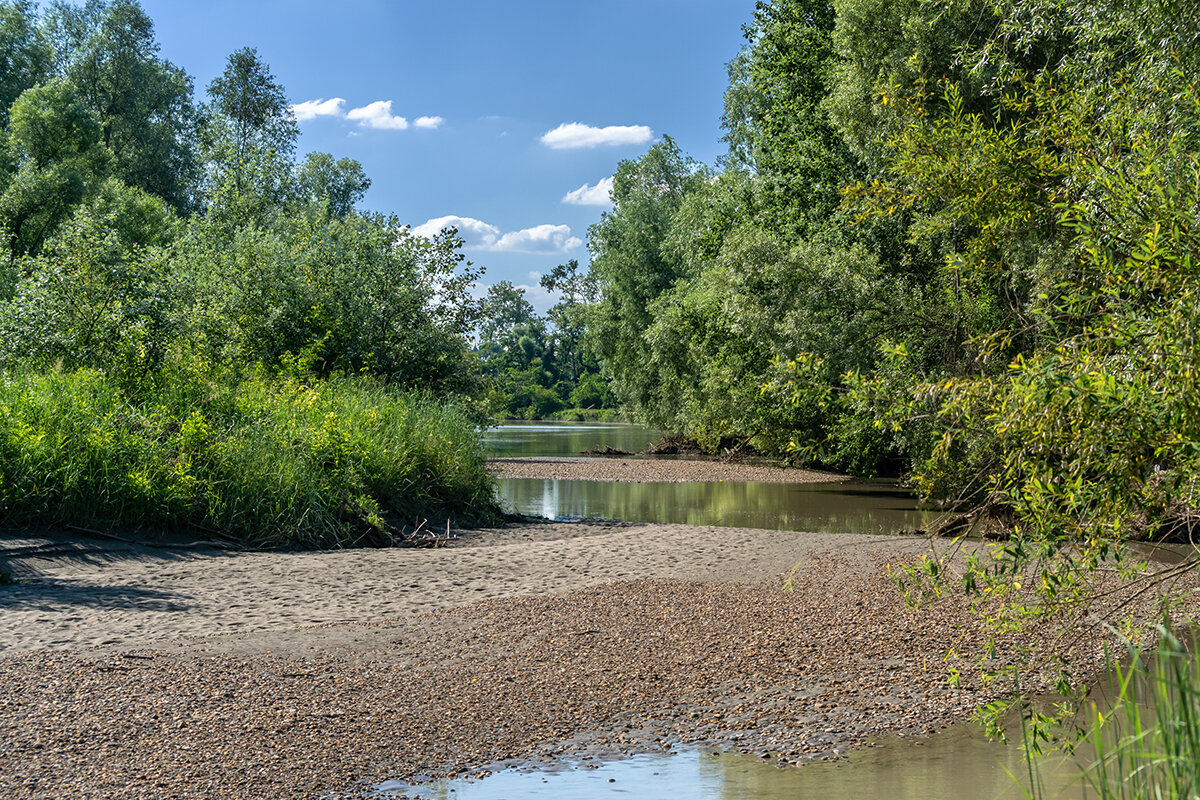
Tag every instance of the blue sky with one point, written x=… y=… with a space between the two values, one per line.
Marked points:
x=474 y=88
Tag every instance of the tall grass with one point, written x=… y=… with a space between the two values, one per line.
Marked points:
x=1148 y=745
x=273 y=461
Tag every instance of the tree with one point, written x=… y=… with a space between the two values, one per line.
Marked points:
x=142 y=102
x=338 y=184
x=776 y=122
x=254 y=104
x=24 y=55
x=505 y=309
x=252 y=132
x=54 y=139
x=630 y=264
x=578 y=292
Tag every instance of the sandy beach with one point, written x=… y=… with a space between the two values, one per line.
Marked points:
x=133 y=671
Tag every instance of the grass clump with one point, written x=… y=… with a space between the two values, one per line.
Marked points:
x=271 y=460
x=1148 y=745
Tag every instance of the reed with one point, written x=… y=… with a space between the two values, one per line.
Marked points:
x=270 y=460
x=1148 y=744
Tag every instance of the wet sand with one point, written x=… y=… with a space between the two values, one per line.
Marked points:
x=140 y=672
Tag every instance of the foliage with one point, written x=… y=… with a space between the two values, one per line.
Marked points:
x=142 y=103
x=776 y=122
x=249 y=137
x=274 y=461
x=23 y=51
x=628 y=258
x=245 y=351
x=541 y=367
x=338 y=185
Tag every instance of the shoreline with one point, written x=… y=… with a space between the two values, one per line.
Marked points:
x=638 y=469
x=147 y=672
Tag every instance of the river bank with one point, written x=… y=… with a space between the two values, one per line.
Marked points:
x=237 y=675
x=651 y=470
x=135 y=671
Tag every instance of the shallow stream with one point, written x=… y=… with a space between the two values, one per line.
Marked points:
x=955 y=763
x=852 y=507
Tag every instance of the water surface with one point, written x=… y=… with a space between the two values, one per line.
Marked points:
x=956 y=764
x=515 y=439
x=852 y=507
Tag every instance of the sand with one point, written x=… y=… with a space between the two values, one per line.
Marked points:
x=652 y=470
x=132 y=671
x=124 y=595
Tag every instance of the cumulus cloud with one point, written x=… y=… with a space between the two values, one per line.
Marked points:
x=377 y=115
x=585 y=195
x=479 y=235
x=476 y=233
x=538 y=239
x=571 y=135
x=311 y=109
x=373 y=115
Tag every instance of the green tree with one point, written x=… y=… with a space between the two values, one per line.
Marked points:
x=251 y=132
x=54 y=140
x=775 y=117
x=142 y=102
x=629 y=261
x=24 y=54
x=338 y=184
x=578 y=293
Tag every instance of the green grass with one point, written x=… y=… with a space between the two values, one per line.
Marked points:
x=272 y=461
x=1148 y=745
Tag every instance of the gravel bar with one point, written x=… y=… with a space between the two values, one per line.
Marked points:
x=651 y=470
x=696 y=643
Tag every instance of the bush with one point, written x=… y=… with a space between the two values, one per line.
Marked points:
x=272 y=461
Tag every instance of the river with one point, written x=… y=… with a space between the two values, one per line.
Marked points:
x=857 y=506
x=955 y=763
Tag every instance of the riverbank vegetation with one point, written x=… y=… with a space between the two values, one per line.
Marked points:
x=952 y=241
x=196 y=331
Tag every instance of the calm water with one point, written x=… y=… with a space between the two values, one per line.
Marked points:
x=858 y=507
x=825 y=507
x=956 y=764
x=566 y=438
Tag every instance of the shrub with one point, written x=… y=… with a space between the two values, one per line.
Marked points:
x=272 y=461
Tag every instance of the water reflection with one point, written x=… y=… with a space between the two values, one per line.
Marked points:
x=824 y=507
x=566 y=438
x=957 y=763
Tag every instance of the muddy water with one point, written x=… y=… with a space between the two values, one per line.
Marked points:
x=857 y=507
x=956 y=764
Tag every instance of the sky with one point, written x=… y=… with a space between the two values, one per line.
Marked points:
x=504 y=118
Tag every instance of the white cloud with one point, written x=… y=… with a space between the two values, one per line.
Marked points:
x=479 y=235
x=429 y=122
x=311 y=109
x=546 y=239
x=585 y=195
x=571 y=135
x=377 y=115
